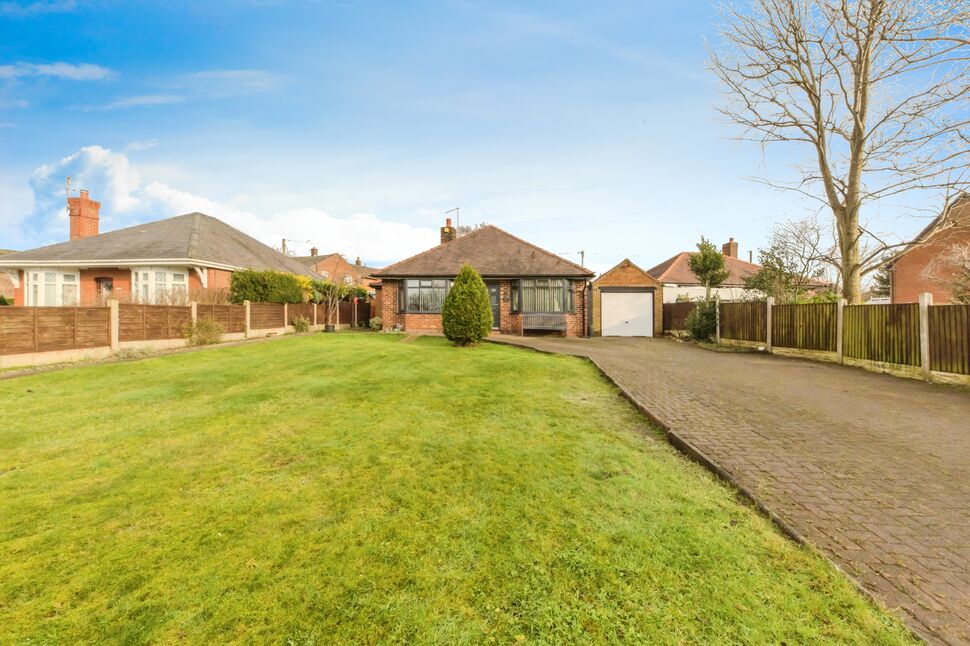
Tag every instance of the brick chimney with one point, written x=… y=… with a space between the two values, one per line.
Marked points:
x=314 y=251
x=448 y=232
x=358 y=262
x=84 y=215
x=730 y=248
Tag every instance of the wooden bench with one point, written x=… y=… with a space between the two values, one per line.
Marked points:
x=544 y=322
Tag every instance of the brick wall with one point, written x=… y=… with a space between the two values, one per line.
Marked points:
x=909 y=276
x=89 y=284
x=627 y=274
x=6 y=286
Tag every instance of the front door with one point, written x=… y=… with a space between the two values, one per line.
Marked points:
x=494 y=299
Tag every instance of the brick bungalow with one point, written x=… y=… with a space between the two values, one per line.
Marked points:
x=158 y=262
x=530 y=289
x=335 y=267
x=6 y=283
x=917 y=269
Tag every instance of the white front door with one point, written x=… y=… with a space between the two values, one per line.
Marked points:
x=627 y=313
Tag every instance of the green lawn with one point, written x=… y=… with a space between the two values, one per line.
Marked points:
x=356 y=489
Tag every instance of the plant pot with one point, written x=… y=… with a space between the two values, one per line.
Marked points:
x=329 y=328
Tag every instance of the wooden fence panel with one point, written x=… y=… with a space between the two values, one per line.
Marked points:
x=265 y=316
x=301 y=309
x=745 y=321
x=232 y=318
x=152 y=322
x=812 y=326
x=675 y=315
x=888 y=333
x=44 y=329
x=950 y=338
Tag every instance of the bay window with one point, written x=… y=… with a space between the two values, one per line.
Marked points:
x=160 y=285
x=423 y=295
x=51 y=287
x=542 y=295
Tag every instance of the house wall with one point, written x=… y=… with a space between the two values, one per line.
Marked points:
x=509 y=322
x=916 y=270
x=89 y=284
x=626 y=274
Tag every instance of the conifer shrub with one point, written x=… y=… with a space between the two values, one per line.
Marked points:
x=467 y=314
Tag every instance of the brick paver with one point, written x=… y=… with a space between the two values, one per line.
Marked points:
x=873 y=470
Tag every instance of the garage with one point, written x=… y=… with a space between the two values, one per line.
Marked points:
x=628 y=312
x=626 y=301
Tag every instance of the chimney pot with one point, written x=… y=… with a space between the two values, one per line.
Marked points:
x=730 y=248
x=84 y=214
x=358 y=262
x=314 y=251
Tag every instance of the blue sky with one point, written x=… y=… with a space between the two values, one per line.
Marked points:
x=355 y=125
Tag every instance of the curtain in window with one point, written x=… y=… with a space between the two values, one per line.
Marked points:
x=426 y=295
x=546 y=295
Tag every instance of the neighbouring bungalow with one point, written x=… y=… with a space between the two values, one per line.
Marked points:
x=158 y=262
x=530 y=289
x=680 y=283
x=6 y=284
x=921 y=265
x=334 y=267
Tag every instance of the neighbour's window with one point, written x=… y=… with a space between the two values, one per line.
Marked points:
x=51 y=288
x=348 y=280
x=545 y=295
x=69 y=290
x=424 y=295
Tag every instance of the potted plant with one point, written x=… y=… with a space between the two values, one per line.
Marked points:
x=329 y=294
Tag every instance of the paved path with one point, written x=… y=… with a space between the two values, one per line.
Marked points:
x=872 y=469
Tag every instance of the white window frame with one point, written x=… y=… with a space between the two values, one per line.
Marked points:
x=35 y=281
x=169 y=274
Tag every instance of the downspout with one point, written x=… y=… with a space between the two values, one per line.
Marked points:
x=589 y=310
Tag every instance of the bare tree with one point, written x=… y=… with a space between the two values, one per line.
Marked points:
x=793 y=263
x=877 y=91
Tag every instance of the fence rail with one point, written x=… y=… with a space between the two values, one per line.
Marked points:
x=813 y=326
x=43 y=329
x=232 y=318
x=744 y=321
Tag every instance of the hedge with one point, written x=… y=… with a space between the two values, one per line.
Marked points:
x=266 y=286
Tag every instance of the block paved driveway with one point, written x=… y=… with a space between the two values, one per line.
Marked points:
x=873 y=470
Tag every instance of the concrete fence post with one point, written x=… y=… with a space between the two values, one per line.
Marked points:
x=314 y=315
x=925 y=300
x=195 y=312
x=769 y=304
x=286 y=316
x=717 y=319
x=839 y=329
x=114 y=322
x=246 y=304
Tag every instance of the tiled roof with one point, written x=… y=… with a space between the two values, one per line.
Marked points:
x=492 y=252
x=194 y=237
x=676 y=271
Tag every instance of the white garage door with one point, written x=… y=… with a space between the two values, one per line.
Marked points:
x=627 y=313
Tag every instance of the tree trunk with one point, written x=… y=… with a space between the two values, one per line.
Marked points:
x=851 y=269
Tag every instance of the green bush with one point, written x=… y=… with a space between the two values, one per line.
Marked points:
x=467 y=314
x=376 y=323
x=265 y=286
x=301 y=324
x=5 y=301
x=204 y=331
x=701 y=323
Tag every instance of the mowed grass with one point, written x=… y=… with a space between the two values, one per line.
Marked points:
x=356 y=489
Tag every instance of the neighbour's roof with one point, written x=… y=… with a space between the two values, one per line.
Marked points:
x=4 y=252
x=676 y=270
x=492 y=252
x=193 y=237
x=312 y=261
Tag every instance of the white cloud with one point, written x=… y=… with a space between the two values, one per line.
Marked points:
x=15 y=103
x=144 y=144
x=223 y=83
x=69 y=71
x=126 y=200
x=142 y=101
